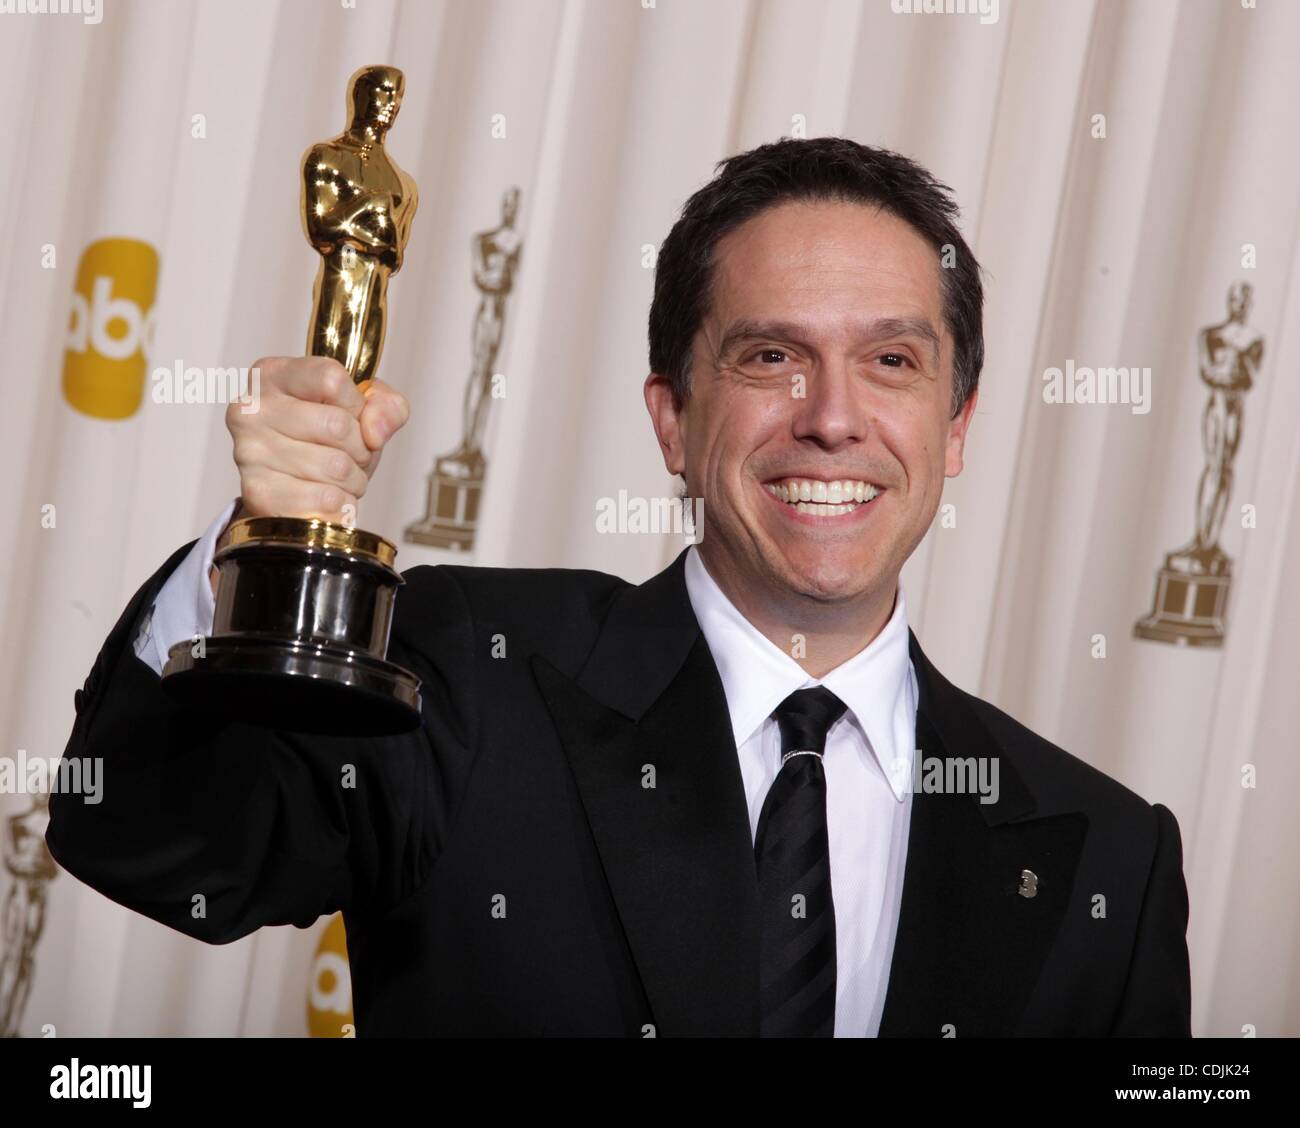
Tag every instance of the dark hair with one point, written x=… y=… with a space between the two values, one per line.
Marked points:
x=822 y=168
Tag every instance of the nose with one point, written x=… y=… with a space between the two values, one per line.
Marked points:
x=831 y=413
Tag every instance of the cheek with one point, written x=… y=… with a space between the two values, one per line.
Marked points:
x=740 y=435
x=920 y=451
x=706 y=454
x=725 y=470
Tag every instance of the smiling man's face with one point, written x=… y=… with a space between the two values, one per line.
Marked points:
x=823 y=360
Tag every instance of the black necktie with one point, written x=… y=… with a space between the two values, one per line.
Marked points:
x=797 y=961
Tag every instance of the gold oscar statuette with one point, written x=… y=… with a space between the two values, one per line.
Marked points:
x=304 y=605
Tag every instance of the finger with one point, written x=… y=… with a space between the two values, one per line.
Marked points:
x=384 y=413
x=320 y=379
x=323 y=423
x=309 y=461
x=273 y=494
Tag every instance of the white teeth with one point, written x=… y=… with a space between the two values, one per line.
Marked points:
x=810 y=495
x=825 y=510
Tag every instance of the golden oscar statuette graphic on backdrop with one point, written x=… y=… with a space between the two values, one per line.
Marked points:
x=1191 y=600
x=304 y=605
x=455 y=485
x=31 y=868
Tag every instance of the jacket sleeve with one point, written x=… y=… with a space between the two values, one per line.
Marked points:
x=1157 y=1000
x=184 y=606
x=216 y=830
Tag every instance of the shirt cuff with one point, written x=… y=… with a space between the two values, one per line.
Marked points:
x=185 y=605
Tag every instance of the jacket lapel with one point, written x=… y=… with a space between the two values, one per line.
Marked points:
x=645 y=726
x=648 y=736
x=970 y=946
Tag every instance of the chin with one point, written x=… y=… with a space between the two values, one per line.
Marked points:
x=819 y=578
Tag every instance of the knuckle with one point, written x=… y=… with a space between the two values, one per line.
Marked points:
x=332 y=376
x=240 y=421
x=337 y=465
x=336 y=423
x=242 y=450
x=331 y=383
x=331 y=498
x=272 y=370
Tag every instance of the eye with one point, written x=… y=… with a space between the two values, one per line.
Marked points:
x=889 y=358
x=768 y=352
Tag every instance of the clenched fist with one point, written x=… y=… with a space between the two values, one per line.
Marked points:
x=314 y=442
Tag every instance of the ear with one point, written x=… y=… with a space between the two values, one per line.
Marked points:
x=956 y=444
x=669 y=421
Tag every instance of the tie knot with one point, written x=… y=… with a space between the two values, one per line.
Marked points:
x=805 y=717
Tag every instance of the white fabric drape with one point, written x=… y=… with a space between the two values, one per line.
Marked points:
x=1113 y=251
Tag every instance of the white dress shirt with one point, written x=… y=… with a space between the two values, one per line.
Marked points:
x=868 y=764
x=184 y=606
x=868 y=758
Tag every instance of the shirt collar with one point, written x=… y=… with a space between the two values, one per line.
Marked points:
x=757 y=675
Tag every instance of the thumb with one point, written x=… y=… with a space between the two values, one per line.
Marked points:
x=383 y=413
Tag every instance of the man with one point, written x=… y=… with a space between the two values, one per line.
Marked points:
x=685 y=807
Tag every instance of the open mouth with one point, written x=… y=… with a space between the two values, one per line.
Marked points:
x=823 y=498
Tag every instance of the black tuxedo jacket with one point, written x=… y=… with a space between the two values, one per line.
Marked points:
x=506 y=869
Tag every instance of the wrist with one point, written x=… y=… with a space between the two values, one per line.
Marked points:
x=235 y=515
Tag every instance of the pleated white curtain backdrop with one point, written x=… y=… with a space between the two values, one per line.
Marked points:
x=1109 y=250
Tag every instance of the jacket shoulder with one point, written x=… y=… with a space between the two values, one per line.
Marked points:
x=1059 y=780
x=557 y=610
x=528 y=590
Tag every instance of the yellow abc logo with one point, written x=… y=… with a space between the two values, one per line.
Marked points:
x=329 y=997
x=110 y=328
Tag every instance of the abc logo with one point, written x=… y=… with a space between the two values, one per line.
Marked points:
x=110 y=329
x=329 y=997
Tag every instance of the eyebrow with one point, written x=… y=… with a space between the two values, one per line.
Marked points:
x=746 y=329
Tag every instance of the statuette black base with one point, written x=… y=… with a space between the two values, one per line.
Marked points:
x=300 y=633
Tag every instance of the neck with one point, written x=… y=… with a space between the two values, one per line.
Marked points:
x=819 y=635
x=366 y=134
